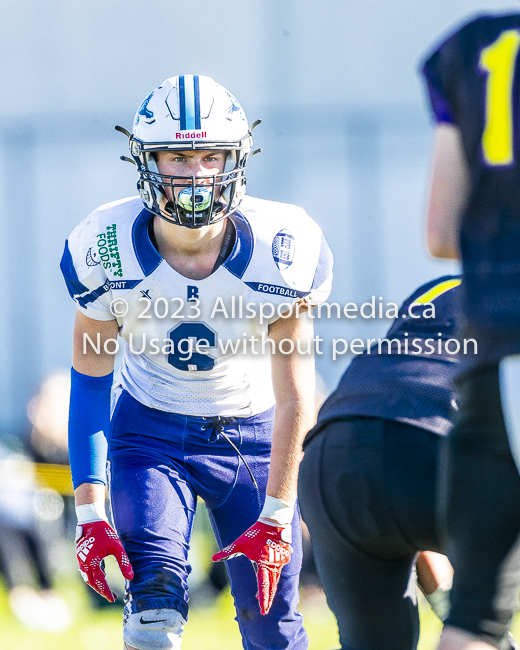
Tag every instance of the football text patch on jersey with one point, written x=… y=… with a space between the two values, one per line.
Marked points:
x=276 y=289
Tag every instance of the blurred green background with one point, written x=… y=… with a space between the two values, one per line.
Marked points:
x=211 y=626
x=44 y=604
x=71 y=616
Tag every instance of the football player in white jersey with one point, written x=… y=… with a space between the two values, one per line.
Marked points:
x=209 y=290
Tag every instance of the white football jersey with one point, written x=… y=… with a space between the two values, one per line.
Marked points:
x=197 y=347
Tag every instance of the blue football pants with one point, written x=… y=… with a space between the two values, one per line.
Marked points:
x=159 y=463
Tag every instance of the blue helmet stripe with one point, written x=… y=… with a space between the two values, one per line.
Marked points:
x=197 y=101
x=189 y=102
x=182 y=103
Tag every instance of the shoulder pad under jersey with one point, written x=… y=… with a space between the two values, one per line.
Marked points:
x=106 y=251
x=288 y=258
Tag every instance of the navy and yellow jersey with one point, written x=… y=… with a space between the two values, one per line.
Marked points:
x=411 y=380
x=474 y=83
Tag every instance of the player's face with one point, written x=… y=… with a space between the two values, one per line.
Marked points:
x=202 y=164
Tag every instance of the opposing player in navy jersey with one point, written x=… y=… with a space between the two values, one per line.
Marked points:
x=474 y=215
x=367 y=484
x=208 y=288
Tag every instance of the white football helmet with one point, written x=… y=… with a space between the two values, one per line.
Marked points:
x=183 y=113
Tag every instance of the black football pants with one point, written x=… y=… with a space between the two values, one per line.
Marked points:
x=480 y=503
x=367 y=493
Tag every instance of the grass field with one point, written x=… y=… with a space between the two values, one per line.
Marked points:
x=210 y=627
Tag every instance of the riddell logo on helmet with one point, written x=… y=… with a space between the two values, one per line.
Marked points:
x=190 y=135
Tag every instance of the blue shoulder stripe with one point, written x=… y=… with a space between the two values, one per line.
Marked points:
x=325 y=264
x=242 y=252
x=145 y=252
x=74 y=286
x=83 y=301
x=121 y=285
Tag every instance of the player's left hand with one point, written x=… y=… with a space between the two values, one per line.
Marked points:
x=269 y=549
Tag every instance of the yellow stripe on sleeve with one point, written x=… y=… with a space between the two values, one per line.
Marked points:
x=436 y=291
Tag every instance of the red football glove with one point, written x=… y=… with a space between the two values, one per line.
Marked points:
x=268 y=548
x=94 y=541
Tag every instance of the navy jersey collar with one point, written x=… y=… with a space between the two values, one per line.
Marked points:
x=149 y=258
x=145 y=252
x=242 y=252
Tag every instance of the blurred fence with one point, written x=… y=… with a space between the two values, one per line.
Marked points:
x=360 y=172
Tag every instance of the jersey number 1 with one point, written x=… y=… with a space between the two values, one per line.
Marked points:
x=498 y=61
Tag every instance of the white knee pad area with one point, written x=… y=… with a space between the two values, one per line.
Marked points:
x=154 y=629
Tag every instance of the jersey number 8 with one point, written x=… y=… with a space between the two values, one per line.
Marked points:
x=187 y=339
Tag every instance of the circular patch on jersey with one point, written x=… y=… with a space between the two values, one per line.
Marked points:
x=283 y=249
x=92 y=258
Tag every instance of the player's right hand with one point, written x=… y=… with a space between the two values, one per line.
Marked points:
x=95 y=541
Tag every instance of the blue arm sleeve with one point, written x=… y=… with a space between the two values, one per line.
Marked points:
x=89 y=424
